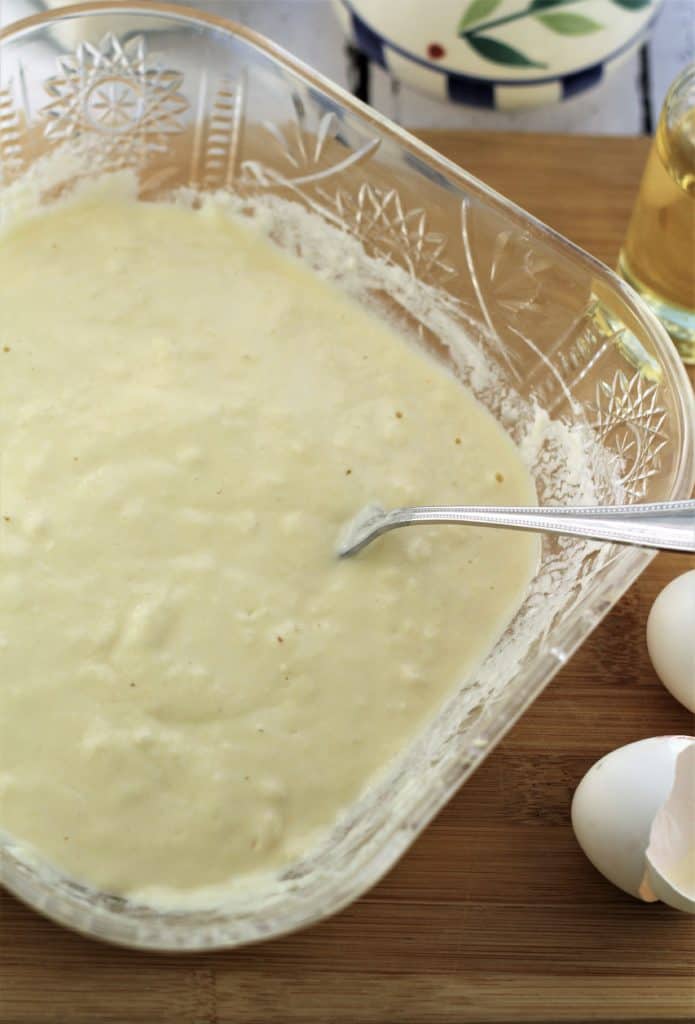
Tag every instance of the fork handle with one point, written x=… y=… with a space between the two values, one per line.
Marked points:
x=665 y=525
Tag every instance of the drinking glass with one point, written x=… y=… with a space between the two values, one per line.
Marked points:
x=658 y=257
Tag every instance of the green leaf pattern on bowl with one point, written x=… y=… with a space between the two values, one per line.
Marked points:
x=547 y=12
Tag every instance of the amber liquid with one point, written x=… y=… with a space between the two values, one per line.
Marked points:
x=658 y=257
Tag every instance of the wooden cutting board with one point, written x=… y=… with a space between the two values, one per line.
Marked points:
x=494 y=914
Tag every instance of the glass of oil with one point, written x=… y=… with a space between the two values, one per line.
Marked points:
x=658 y=257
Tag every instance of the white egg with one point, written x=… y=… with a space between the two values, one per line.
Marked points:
x=671 y=638
x=616 y=803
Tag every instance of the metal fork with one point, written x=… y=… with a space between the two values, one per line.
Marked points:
x=665 y=525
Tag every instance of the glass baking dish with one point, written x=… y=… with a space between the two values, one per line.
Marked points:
x=552 y=342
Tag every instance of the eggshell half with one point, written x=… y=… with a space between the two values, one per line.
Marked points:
x=616 y=802
x=670 y=867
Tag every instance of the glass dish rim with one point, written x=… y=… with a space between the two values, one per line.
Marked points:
x=572 y=632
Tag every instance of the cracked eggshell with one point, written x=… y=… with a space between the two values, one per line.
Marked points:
x=616 y=803
x=671 y=638
x=670 y=871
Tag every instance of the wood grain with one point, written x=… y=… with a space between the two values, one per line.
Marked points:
x=494 y=915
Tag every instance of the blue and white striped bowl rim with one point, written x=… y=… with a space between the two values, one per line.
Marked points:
x=475 y=91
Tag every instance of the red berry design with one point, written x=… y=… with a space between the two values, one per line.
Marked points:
x=435 y=51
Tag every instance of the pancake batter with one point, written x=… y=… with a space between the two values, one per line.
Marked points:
x=192 y=685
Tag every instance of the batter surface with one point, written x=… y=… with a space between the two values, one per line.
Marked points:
x=192 y=686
